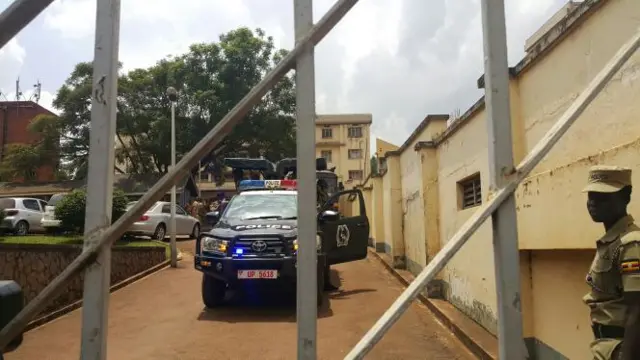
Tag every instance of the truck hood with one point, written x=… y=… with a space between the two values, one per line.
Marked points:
x=286 y=228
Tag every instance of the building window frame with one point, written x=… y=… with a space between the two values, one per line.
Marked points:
x=353 y=172
x=326 y=154
x=470 y=192
x=350 y=153
x=354 y=131
x=327 y=133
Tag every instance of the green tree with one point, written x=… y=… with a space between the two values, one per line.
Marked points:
x=71 y=209
x=374 y=165
x=20 y=161
x=211 y=79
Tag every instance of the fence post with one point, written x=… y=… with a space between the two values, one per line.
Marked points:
x=100 y=179
x=307 y=309
x=505 y=226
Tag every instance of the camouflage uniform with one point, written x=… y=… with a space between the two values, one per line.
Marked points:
x=614 y=270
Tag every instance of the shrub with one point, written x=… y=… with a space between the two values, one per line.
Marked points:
x=71 y=209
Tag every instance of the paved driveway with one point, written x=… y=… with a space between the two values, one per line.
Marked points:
x=162 y=317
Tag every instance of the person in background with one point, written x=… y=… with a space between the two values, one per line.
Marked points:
x=614 y=276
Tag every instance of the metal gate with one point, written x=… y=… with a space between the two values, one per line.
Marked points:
x=99 y=235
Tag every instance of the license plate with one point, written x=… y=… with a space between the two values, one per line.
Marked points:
x=257 y=274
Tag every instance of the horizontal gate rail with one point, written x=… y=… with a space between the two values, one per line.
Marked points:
x=18 y=15
x=525 y=167
x=213 y=138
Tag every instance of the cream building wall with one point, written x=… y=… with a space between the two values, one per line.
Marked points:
x=556 y=236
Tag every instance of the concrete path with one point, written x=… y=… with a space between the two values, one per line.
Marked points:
x=162 y=317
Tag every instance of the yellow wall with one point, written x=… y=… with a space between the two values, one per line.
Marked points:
x=556 y=236
x=377 y=214
x=469 y=276
x=340 y=143
x=392 y=210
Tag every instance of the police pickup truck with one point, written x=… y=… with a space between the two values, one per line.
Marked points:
x=254 y=240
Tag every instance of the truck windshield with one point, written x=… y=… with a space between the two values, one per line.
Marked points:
x=262 y=206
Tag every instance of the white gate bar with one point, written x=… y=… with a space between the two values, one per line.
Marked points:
x=306 y=289
x=204 y=146
x=100 y=179
x=532 y=159
x=504 y=221
x=18 y=15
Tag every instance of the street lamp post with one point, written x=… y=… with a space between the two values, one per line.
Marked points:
x=173 y=97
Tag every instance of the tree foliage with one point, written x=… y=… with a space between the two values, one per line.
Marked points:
x=71 y=209
x=211 y=78
x=20 y=161
x=374 y=165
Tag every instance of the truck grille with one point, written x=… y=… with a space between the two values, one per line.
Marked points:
x=263 y=246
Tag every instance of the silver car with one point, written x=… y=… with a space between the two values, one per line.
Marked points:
x=22 y=215
x=49 y=221
x=155 y=222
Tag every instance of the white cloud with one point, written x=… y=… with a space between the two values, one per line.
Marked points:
x=399 y=60
x=12 y=57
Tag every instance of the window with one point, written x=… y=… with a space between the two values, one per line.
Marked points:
x=327 y=133
x=355 y=154
x=470 y=192
x=204 y=176
x=355 y=132
x=31 y=204
x=56 y=199
x=257 y=205
x=326 y=154
x=355 y=174
x=7 y=203
x=166 y=209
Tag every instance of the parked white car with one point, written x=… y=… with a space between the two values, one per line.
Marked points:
x=155 y=222
x=49 y=221
x=22 y=214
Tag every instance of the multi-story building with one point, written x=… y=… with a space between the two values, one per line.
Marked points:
x=343 y=139
x=15 y=117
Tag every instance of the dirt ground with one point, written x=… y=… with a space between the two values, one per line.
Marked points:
x=162 y=317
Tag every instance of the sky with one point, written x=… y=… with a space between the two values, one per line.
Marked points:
x=399 y=60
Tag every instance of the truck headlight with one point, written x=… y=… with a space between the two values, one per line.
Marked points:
x=318 y=244
x=211 y=244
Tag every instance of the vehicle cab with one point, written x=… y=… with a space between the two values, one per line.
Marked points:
x=254 y=240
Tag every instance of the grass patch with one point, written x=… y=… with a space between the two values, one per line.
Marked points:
x=77 y=240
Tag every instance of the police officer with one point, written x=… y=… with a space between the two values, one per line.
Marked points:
x=614 y=276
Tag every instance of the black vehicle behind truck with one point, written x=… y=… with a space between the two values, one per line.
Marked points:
x=254 y=241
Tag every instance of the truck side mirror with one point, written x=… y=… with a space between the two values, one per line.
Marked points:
x=329 y=215
x=11 y=303
x=213 y=217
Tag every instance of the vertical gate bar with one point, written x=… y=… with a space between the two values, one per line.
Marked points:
x=504 y=220
x=95 y=303
x=182 y=169
x=307 y=309
x=18 y=15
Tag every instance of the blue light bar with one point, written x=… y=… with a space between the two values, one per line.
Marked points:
x=251 y=184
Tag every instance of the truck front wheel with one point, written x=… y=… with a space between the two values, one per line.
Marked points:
x=213 y=291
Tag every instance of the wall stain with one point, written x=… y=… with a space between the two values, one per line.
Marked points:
x=477 y=311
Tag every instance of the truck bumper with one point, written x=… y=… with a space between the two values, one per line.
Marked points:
x=226 y=269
